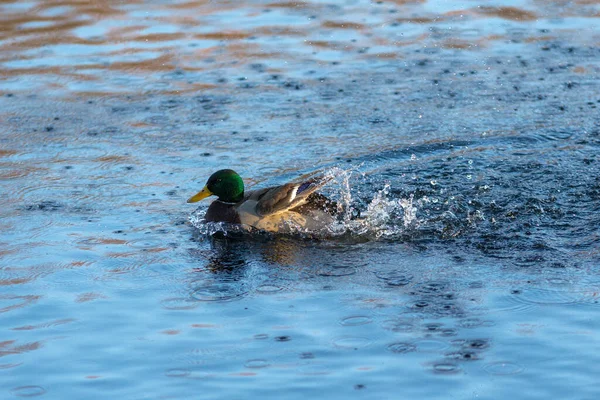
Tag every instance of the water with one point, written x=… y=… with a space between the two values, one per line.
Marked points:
x=463 y=138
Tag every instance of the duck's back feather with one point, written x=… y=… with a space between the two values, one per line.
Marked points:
x=285 y=197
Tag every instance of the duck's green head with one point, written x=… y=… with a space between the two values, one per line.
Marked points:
x=225 y=183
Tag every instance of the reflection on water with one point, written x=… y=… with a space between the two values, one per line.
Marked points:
x=190 y=46
x=463 y=138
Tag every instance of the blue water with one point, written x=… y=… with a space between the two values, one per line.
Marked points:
x=463 y=142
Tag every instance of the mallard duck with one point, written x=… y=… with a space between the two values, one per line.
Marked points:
x=284 y=208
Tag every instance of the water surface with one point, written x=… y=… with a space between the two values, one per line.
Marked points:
x=466 y=133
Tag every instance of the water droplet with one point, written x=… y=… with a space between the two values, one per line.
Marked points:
x=28 y=391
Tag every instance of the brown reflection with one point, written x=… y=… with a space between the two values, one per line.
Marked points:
x=165 y=62
x=6 y=153
x=281 y=252
x=7 y=348
x=117 y=34
x=323 y=44
x=18 y=301
x=388 y=56
x=8 y=366
x=404 y=2
x=418 y=20
x=511 y=13
x=159 y=37
x=16 y=281
x=44 y=325
x=229 y=35
x=91 y=8
x=135 y=37
x=538 y=39
x=458 y=44
x=91 y=296
x=290 y=4
x=190 y=4
x=343 y=25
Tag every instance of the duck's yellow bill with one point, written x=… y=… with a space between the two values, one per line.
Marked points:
x=204 y=193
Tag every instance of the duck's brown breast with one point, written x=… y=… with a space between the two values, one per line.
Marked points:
x=222 y=212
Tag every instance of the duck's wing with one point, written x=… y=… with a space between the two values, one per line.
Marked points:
x=285 y=197
x=317 y=202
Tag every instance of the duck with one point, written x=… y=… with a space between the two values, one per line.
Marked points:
x=293 y=206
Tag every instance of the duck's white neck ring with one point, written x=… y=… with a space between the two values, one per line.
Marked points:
x=226 y=202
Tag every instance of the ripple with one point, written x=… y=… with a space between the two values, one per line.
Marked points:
x=503 y=368
x=177 y=373
x=336 y=271
x=220 y=291
x=395 y=278
x=446 y=368
x=433 y=288
x=313 y=369
x=524 y=299
x=470 y=323
x=542 y=296
x=356 y=320
x=476 y=344
x=28 y=391
x=350 y=342
x=15 y=302
x=256 y=363
x=178 y=303
x=267 y=288
x=401 y=325
x=463 y=355
x=402 y=347
x=8 y=366
x=261 y=336
x=430 y=345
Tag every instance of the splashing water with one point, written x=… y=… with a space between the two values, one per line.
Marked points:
x=380 y=217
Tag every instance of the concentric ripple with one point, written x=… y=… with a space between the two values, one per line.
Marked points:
x=220 y=291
